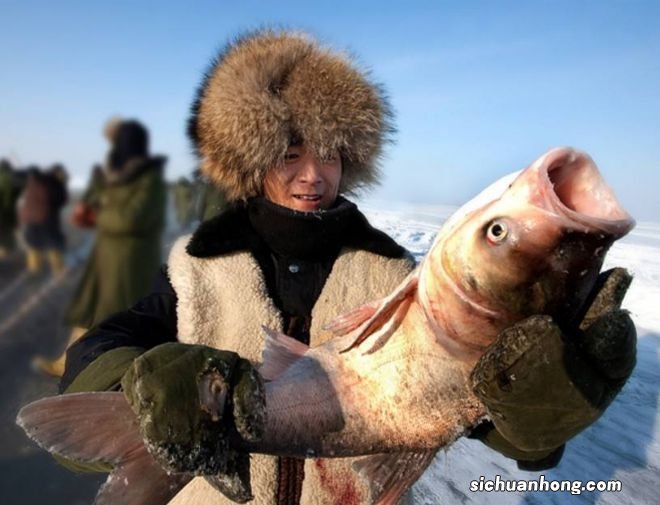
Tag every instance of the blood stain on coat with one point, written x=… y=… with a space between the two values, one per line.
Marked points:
x=340 y=485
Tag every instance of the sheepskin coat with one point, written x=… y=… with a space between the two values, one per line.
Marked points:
x=223 y=301
x=221 y=285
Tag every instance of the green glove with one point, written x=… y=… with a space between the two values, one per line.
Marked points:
x=542 y=387
x=189 y=400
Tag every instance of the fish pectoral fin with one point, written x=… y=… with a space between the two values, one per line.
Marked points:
x=280 y=352
x=351 y=320
x=391 y=475
x=387 y=309
x=85 y=427
x=140 y=481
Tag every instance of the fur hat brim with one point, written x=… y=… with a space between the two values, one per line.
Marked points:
x=267 y=88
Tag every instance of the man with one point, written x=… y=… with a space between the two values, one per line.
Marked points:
x=286 y=128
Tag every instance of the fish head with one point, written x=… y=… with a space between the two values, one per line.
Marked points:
x=537 y=249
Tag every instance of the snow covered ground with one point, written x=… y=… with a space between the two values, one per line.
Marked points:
x=623 y=445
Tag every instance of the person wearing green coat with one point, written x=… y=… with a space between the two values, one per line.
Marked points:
x=129 y=224
x=92 y=194
x=210 y=198
x=183 y=202
x=9 y=192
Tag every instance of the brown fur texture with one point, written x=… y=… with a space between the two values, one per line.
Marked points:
x=268 y=88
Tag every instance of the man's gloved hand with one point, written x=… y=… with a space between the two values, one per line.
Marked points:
x=541 y=387
x=189 y=400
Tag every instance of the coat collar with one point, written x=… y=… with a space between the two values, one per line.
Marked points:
x=132 y=169
x=234 y=230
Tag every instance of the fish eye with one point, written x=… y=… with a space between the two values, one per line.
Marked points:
x=497 y=232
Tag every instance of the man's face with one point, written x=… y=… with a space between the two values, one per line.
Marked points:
x=302 y=182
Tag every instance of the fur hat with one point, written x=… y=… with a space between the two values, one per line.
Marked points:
x=268 y=89
x=111 y=127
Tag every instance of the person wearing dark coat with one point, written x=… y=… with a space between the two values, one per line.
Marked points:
x=9 y=193
x=288 y=129
x=129 y=223
x=40 y=206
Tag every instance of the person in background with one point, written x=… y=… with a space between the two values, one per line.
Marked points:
x=57 y=180
x=9 y=193
x=183 y=195
x=39 y=209
x=129 y=222
x=210 y=199
x=83 y=215
x=287 y=129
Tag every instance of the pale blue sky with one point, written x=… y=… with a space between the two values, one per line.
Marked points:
x=479 y=88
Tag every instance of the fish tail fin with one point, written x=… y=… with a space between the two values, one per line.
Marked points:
x=86 y=427
x=140 y=481
x=280 y=352
x=100 y=427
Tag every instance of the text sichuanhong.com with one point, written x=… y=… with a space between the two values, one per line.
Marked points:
x=575 y=487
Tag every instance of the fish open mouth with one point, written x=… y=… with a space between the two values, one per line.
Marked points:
x=579 y=191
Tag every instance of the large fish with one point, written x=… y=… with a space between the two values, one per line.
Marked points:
x=395 y=381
